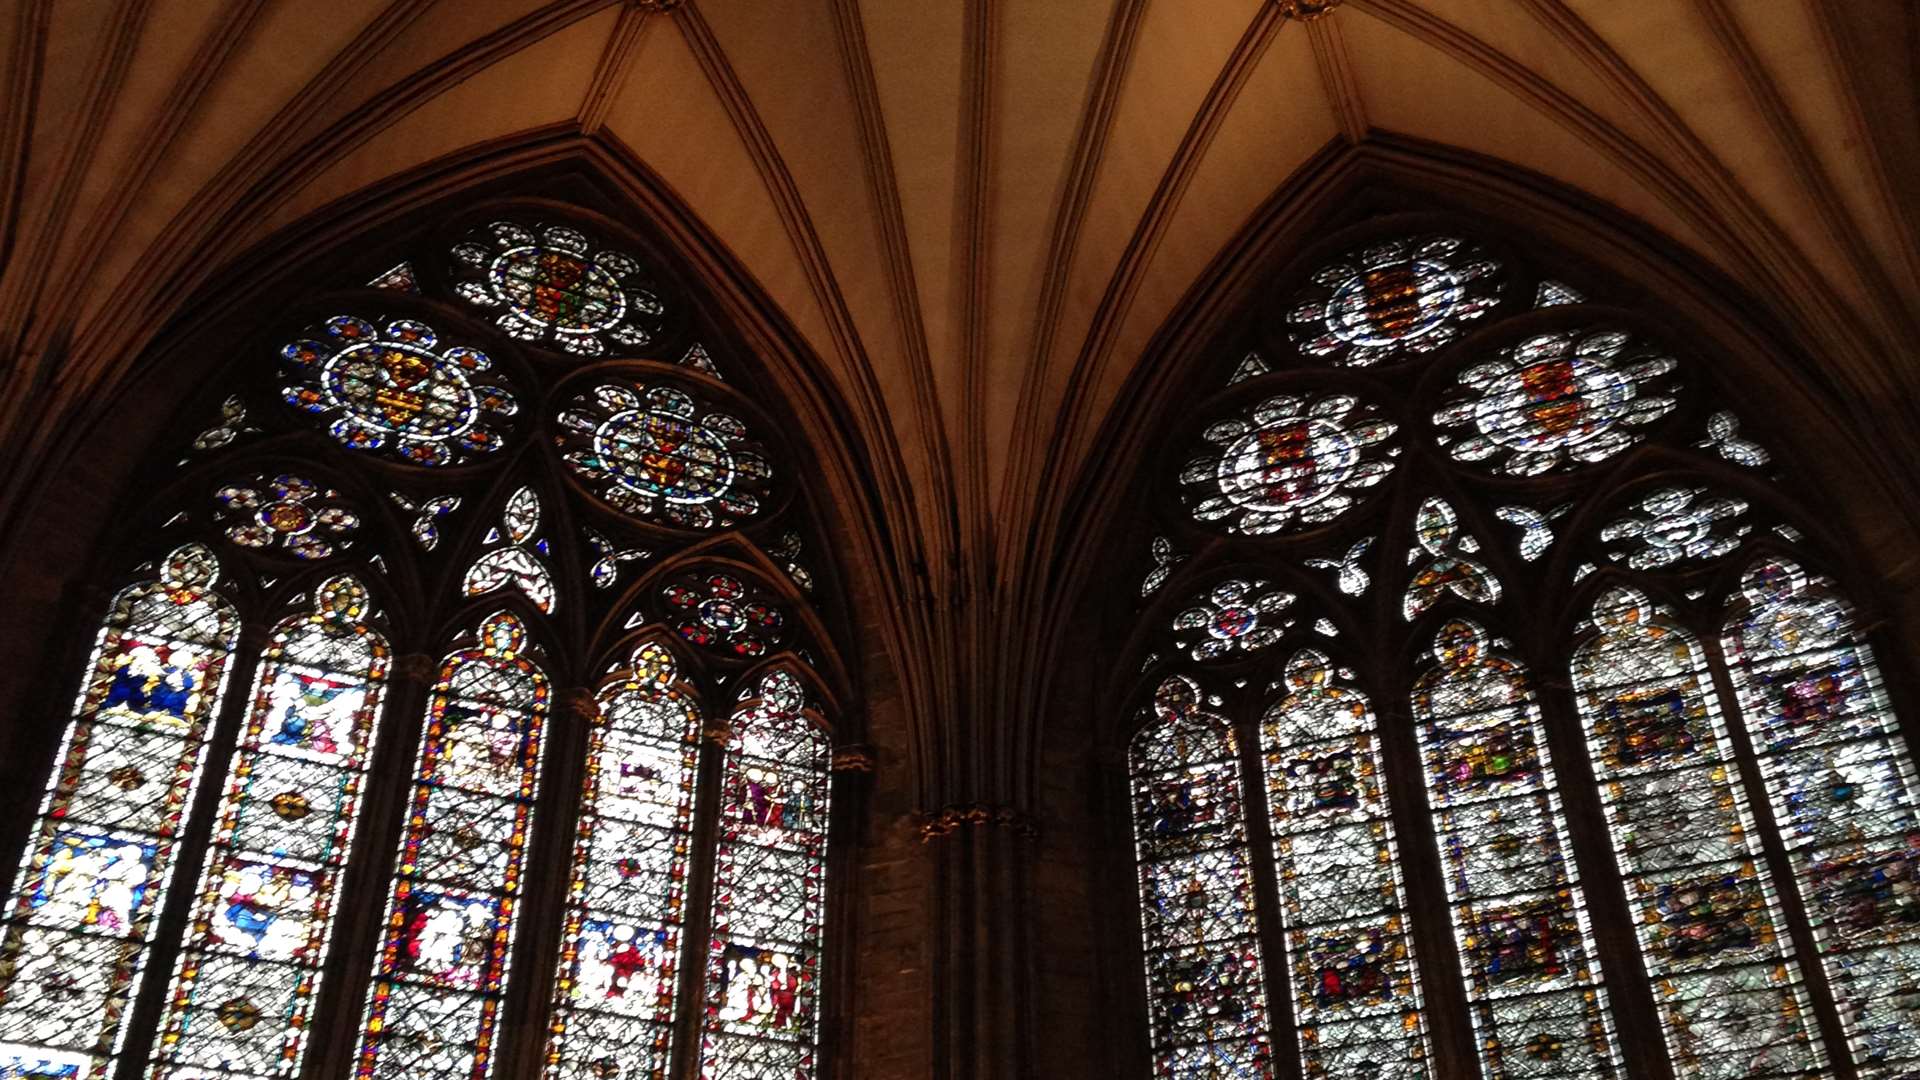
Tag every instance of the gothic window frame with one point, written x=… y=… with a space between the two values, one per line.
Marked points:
x=1248 y=360
x=421 y=609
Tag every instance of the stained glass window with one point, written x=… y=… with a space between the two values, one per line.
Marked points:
x=286 y=513
x=1709 y=926
x=1207 y=997
x=243 y=989
x=1356 y=995
x=515 y=555
x=615 y=994
x=1731 y=819
x=722 y=612
x=769 y=890
x=551 y=284
x=438 y=982
x=1554 y=399
x=1393 y=298
x=1519 y=913
x=664 y=457
x=1234 y=617
x=393 y=388
x=354 y=897
x=1841 y=784
x=1289 y=463
x=101 y=856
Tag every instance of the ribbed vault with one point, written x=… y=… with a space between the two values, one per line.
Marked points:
x=969 y=222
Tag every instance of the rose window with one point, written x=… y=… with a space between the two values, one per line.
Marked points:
x=665 y=458
x=286 y=512
x=1391 y=298
x=554 y=286
x=723 y=613
x=1556 y=397
x=1289 y=463
x=1234 y=616
x=1676 y=523
x=394 y=389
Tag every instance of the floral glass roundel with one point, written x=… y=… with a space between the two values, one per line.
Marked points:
x=664 y=457
x=724 y=613
x=1376 y=303
x=286 y=513
x=1553 y=398
x=393 y=388
x=1288 y=463
x=552 y=285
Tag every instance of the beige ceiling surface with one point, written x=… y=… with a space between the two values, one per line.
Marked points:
x=982 y=208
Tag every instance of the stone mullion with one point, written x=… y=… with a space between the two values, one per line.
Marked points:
x=696 y=926
x=1423 y=874
x=1269 y=923
x=526 y=1008
x=1609 y=908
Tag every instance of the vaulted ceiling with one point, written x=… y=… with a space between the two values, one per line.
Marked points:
x=976 y=212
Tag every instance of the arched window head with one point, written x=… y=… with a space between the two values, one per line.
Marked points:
x=611 y=553
x=1684 y=757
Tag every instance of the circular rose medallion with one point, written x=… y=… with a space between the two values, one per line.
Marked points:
x=1388 y=299
x=1556 y=398
x=1389 y=304
x=664 y=456
x=1287 y=463
x=395 y=388
x=558 y=289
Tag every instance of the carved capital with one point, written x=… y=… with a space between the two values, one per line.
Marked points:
x=417 y=669
x=1305 y=10
x=853 y=758
x=718 y=734
x=954 y=817
x=577 y=704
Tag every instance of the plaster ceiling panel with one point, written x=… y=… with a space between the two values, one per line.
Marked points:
x=668 y=115
x=1673 y=48
x=173 y=42
x=1045 y=61
x=1879 y=49
x=916 y=52
x=1520 y=32
x=1794 y=48
x=1177 y=56
x=75 y=42
x=787 y=57
x=430 y=45
x=247 y=92
x=1399 y=75
x=1280 y=119
x=539 y=85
